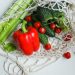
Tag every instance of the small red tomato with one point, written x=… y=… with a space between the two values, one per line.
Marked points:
x=52 y=26
x=67 y=55
x=67 y=37
x=42 y=30
x=58 y=30
x=48 y=46
x=37 y=24
x=28 y=18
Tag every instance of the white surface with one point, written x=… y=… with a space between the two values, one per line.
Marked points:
x=60 y=67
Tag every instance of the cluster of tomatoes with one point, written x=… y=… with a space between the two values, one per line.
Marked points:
x=42 y=29
x=57 y=30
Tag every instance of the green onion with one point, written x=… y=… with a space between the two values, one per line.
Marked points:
x=10 y=12
x=14 y=8
x=9 y=47
x=13 y=23
x=3 y=24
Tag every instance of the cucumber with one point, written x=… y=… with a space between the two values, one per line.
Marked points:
x=43 y=38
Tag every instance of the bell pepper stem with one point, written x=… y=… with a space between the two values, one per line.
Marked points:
x=23 y=26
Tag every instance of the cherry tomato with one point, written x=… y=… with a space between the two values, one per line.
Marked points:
x=67 y=55
x=48 y=46
x=28 y=18
x=37 y=24
x=58 y=30
x=67 y=37
x=52 y=26
x=42 y=30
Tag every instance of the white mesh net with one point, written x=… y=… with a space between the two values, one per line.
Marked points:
x=24 y=64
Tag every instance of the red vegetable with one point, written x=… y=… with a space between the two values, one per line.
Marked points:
x=58 y=30
x=67 y=55
x=52 y=26
x=37 y=24
x=28 y=40
x=28 y=18
x=48 y=46
x=67 y=37
x=42 y=30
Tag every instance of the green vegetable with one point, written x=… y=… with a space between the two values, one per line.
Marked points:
x=13 y=23
x=9 y=47
x=10 y=12
x=44 y=14
x=43 y=38
x=2 y=25
x=57 y=14
x=13 y=8
x=62 y=23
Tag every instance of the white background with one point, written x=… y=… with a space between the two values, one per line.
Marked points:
x=60 y=67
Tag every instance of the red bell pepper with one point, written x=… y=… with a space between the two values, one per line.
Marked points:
x=28 y=40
